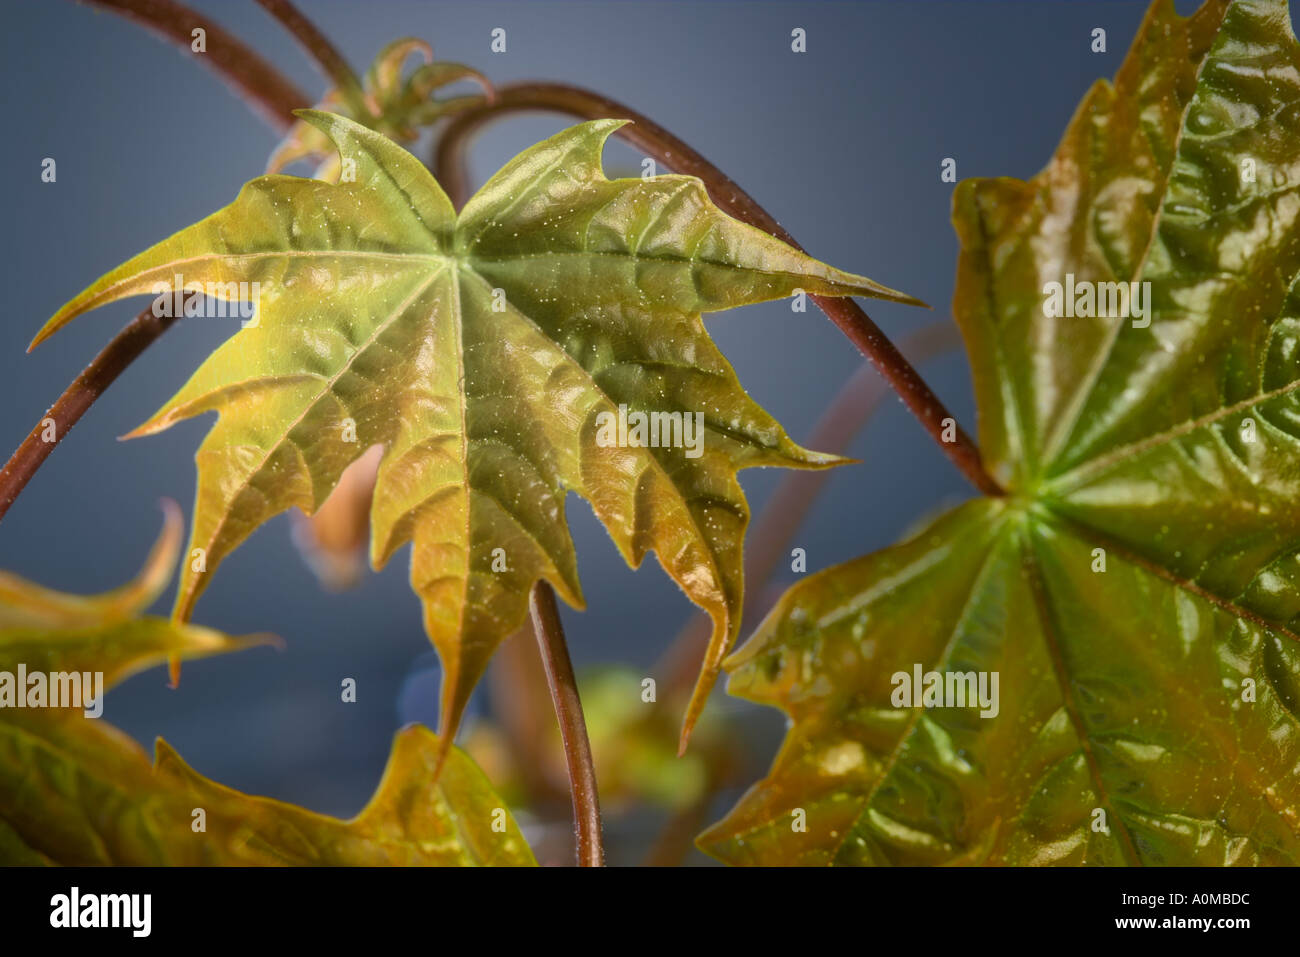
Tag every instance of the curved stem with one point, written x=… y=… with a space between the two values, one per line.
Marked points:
x=318 y=46
x=573 y=726
x=672 y=152
x=124 y=348
x=274 y=98
x=259 y=84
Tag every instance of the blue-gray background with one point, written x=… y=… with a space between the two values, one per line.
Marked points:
x=842 y=144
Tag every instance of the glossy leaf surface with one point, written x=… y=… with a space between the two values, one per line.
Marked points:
x=1136 y=591
x=491 y=354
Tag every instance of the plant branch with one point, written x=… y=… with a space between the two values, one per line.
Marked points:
x=673 y=153
x=274 y=98
x=124 y=348
x=264 y=88
x=573 y=726
x=257 y=82
x=318 y=46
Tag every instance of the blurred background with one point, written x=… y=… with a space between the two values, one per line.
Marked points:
x=843 y=144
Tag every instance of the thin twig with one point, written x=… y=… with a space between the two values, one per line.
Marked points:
x=257 y=82
x=665 y=148
x=124 y=348
x=274 y=98
x=318 y=46
x=573 y=726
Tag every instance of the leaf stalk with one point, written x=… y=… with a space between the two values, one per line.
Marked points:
x=327 y=56
x=573 y=726
x=259 y=84
x=121 y=351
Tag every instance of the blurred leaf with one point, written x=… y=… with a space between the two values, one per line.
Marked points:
x=481 y=351
x=75 y=790
x=453 y=819
x=633 y=743
x=49 y=631
x=395 y=107
x=1138 y=591
x=26 y=604
x=333 y=540
x=78 y=791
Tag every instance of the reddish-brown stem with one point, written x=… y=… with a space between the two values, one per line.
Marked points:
x=665 y=148
x=318 y=46
x=138 y=334
x=260 y=85
x=274 y=98
x=794 y=497
x=573 y=726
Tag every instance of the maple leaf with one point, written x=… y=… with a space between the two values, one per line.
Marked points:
x=490 y=354
x=1137 y=592
x=333 y=539
x=76 y=790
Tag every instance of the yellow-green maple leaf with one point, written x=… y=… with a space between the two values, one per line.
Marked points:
x=480 y=350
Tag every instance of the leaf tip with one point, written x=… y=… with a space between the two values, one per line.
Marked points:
x=827 y=460
x=47 y=330
x=699 y=698
x=160 y=422
x=904 y=299
x=163 y=753
x=260 y=639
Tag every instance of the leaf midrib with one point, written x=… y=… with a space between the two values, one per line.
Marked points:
x=1061 y=434
x=1047 y=626
x=1070 y=480
x=891 y=761
x=650 y=456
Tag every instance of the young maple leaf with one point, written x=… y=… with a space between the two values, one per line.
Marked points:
x=487 y=352
x=394 y=107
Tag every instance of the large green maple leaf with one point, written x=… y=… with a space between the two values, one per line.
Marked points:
x=76 y=790
x=482 y=350
x=1138 y=590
